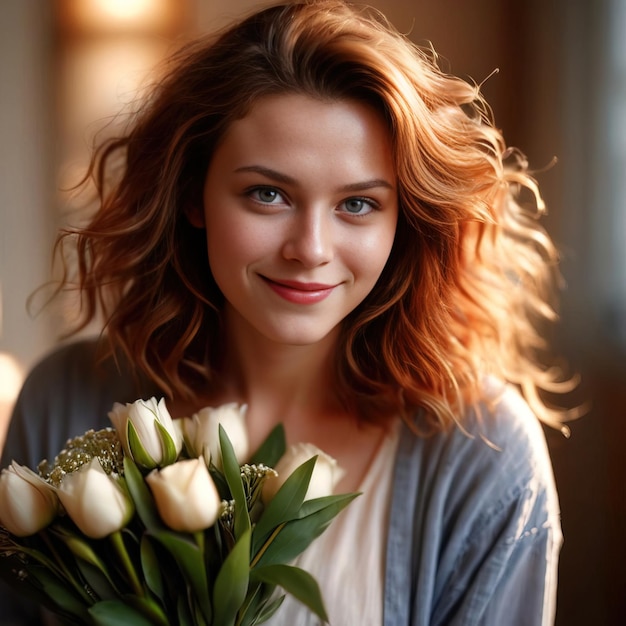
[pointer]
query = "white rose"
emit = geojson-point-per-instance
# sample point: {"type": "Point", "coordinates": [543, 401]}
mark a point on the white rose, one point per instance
{"type": "Point", "coordinates": [202, 432]}
{"type": "Point", "coordinates": [27, 502]}
{"type": "Point", "coordinates": [185, 495]}
{"type": "Point", "coordinates": [326, 473]}
{"type": "Point", "coordinates": [147, 432]}
{"type": "Point", "coordinates": [96, 502]}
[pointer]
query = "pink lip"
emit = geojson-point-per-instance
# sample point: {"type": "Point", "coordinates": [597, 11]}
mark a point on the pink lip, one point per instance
{"type": "Point", "coordinates": [300, 293]}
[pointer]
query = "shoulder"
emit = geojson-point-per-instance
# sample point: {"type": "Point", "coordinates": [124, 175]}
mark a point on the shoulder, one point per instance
{"type": "Point", "coordinates": [501, 434]}
{"type": "Point", "coordinates": [504, 424]}
{"type": "Point", "coordinates": [70, 378]}
{"type": "Point", "coordinates": [69, 391]}
{"type": "Point", "coordinates": [81, 368]}
{"type": "Point", "coordinates": [78, 358]}
{"type": "Point", "coordinates": [494, 471]}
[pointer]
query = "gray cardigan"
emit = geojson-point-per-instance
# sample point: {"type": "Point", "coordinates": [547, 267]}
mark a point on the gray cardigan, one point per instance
{"type": "Point", "coordinates": [474, 529]}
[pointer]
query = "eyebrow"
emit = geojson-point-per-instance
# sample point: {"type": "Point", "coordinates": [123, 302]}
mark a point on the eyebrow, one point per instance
{"type": "Point", "coordinates": [279, 177]}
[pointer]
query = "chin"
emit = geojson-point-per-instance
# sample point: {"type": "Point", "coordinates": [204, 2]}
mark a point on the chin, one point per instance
{"type": "Point", "coordinates": [299, 336]}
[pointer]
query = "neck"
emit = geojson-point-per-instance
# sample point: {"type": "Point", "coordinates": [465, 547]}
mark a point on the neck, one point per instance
{"type": "Point", "coordinates": [292, 384]}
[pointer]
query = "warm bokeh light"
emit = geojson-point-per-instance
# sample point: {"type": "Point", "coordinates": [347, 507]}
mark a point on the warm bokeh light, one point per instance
{"type": "Point", "coordinates": [118, 15]}
{"type": "Point", "coordinates": [11, 378]}
{"type": "Point", "coordinates": [98, 79]}
{"type": "Point", "coordinates": [108, 48]}
{"type": "Point", "coordinates": [123, 11]}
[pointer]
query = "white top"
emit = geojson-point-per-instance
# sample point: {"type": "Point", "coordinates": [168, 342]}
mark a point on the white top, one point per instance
{"type": "Point", "coordinates": [348, 559]}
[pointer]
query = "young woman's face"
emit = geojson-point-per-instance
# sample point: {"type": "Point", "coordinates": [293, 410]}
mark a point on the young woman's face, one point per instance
{"type": "Point", "coordinates": [300, 209]}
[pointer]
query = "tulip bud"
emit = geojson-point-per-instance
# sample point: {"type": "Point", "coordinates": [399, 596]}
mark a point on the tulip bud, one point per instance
{"type": "Point", "coordinates": [97, 502]}
{"type": "Point", "coordinates": [202, 432]}
{"type": "Point", "coordinates": [27, 502]}
{"type": "Point", "coordinates": [185, 495]}
{"type": "Point", "coordinates": [326, 473]}
{"type": "Point", "coordinates": [179, 428]}
{"type": "Point", "coordinates": [147, 432]}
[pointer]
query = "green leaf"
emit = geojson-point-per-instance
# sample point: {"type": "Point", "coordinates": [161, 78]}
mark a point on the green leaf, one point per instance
{"type": "Point", "coordinates": [44, 581]}
{"type": "Point", "coordinates": [148, 607]}
{"type": "Point", "coordinates": [151, 568]}
{"type": "Point", "coordinates": [184, 612]}
{"type": "Point", "coordinates": [295, 536]}
{"type": "Point", "coordinates": [36, 555]}
{"type": "Point", "coordinates": [295, 581]}
{"type": "Point", "coordinates": [59, 594]}
{"type": "Point", "coordinates": [136, 447]}
{"type": "Point", "coordinates": [251, 604]}
{"type": "Point", "coordinates": [199, 619]}
{"type": "Point", "coordinates": [116, 612]}
{"type": "Point", "coordinates": [285, 505]}
{"type": "Point", "coordinates": [54, 568]}
{"type": "Point", "coordinates": [259, 603]}
{"type": "Point", "coordinates": [272, 449]}
{"type": "Point", "coordinates": [232, 472]}
{"type": "Point", "coordinates": [84, 552]}
{"type": "Point", "coordinates": [100, 585]}
{"type": "Point", "coordinates": [167, 445]}
{"type": "Point", "coordinates": [268, 611]}
{"type": "Point", "coordinates": [141, 495]}
{"type": "Point", "coordinates": [220, 482]}
{"type": "Point", "coordinates": [231, 584]}
{"type": "Point", "coordinates": [337, 503]}
{"type": "Point", "coordinates": [190, 560]}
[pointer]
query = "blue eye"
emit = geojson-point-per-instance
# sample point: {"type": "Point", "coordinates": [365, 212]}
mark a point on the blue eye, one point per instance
{"type": "Point", "coordinates": [266, 195]}
{"type": "Point", "coordinates": [358, 206]}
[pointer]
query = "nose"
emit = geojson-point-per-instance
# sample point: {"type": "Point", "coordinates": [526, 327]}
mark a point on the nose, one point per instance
{"type": "Point", "coordinates": [310, 238]}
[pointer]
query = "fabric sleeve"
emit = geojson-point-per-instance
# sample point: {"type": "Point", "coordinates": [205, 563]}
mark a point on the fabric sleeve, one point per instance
{"type": "Point", "coordinates": [477, 511]}
{"type": "Point", "coordinates": [506, 573]}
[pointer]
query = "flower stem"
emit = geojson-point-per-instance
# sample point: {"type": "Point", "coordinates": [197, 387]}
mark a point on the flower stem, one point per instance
{"type": "Point", "coordinates": [118, 543]}
{"type": "Point", "coordinates": [266, 545]}
{"type": "Point", "coordinates": [63, 569]}
{"type": "Point", "coordinates": [199, 537]}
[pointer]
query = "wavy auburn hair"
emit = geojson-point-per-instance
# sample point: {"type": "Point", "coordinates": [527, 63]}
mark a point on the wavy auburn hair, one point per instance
{"type": "Point", "coordinates": [469, 279]}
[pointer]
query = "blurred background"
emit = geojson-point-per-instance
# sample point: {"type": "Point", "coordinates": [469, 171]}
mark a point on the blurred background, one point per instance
{"type": "Point", "coordinates": [67, 66]}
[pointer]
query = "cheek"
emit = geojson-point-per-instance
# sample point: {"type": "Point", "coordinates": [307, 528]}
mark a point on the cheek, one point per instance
{"type": "Point", "coordinates": [232, 245]}
{"type": "Point", "coordinates": [372, 253]}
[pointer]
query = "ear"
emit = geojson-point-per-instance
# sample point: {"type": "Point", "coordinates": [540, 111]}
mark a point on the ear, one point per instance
{"type": "Point", "coordinates": [195, 215]}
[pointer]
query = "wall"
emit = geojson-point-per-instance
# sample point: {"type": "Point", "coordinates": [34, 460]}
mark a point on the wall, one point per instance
{"type": "Point", "coordinates": [26, 184]}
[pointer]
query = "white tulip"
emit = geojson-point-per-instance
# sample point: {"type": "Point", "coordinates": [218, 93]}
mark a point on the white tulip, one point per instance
{"type": "Point", "coordinates": [97, 502]}
{"type": "Point", "coordinates": [179, 428]}
{"type": "Point", "coordinates": [185, 495]}
{"type": "Point", "coordinates": [202, 432]}
{"type": "Point", "coordinates": [147, 432]}
{"type": "Point", "coordinates": [326, 473]}
{"type": "Point", "coordinates": [27, 502]}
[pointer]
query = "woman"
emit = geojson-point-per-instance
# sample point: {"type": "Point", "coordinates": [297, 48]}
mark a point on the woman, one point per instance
{"type": "Point", "coordinates": [307, 215]}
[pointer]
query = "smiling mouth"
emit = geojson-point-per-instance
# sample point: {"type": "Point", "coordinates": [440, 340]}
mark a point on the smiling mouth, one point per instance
{"type": "Point", "coordinates": [299, 292]}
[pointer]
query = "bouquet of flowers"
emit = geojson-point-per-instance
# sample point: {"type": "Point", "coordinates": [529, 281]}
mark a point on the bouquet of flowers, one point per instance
{"type": "Point", "coordinates": [158, 521]}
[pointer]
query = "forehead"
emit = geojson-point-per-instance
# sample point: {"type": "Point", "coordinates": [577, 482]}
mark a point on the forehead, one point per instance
{"type": "Point", "coordinates": [300, 105]}
{"type": "Point", "coordinates": [296, 125]}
